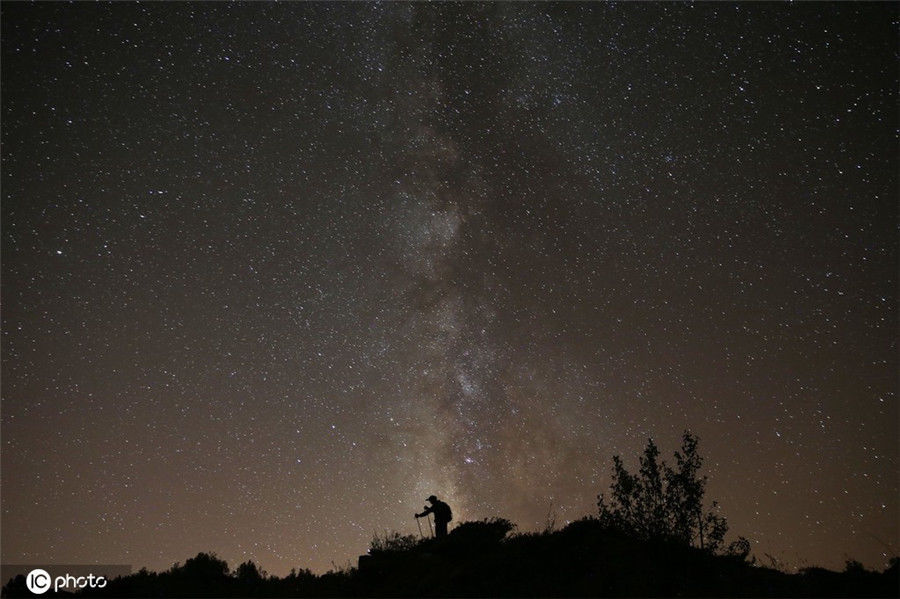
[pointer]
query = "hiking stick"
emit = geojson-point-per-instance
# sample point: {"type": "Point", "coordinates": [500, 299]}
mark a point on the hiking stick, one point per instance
{"type": "Point", "coordinates": [419, 524]}
{"type": "Point", "coordinates": [431, 530]}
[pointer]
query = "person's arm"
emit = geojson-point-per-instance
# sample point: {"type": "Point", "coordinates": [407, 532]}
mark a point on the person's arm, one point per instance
{"type": "Point", "coordinates": [427, 511]}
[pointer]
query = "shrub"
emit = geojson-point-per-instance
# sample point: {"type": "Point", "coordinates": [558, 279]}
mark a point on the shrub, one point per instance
{"type": "Point", "coordinates": [661, 502]}
{"type": "Point", "coordinates": [482, 532]}
{"type": "Point", "coordinates": [392, 542]}
{"type": "Point", "coordinates": [249, 572]}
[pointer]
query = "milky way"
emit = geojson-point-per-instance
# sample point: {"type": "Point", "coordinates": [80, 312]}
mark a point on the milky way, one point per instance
{"type": "Point", "coordinates": [273, 274]}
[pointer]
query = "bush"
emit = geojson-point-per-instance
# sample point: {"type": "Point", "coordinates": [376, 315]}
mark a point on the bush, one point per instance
{"type": "Point", "coordinates": [392, 542]}
{"type": "Point", "coordinates": [249, 572]}
{"type": "Point", "coordinates": [203, 566]}
{"type": "Point", "coordinates": [739, 549]}
{"type": "Point", "coordinates": [489, 531]}
{"type": "Point", "coordinates": [661, 502]}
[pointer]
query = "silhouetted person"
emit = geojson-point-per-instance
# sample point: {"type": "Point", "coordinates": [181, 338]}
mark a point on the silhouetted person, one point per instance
{"type": "Point", "coordinates": [442, 515]}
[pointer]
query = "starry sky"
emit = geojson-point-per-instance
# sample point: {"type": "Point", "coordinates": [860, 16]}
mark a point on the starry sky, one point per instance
{"type": "Point", "coordinates": [274, 273]}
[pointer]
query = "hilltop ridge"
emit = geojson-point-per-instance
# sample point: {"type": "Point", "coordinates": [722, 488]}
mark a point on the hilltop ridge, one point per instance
{"type": "Point", "coordinates": [483, 558]}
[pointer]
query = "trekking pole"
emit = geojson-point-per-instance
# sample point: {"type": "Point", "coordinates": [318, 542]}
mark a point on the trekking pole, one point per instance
{"type": "Point", "coordinates": [431, 530]}
{"type": "Point", "coordinates": [419, 524]}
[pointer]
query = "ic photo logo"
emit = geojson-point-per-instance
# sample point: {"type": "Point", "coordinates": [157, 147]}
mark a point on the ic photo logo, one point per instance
{"type": "Point", "coordinates": [39, 582]}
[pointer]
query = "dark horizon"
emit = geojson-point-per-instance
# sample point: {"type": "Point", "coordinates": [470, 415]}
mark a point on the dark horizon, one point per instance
{"type": "Point", "coordinates": [274, 274]}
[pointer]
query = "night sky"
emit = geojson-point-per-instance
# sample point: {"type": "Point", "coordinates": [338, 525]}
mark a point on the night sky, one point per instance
{"type": "Point", "coordinates": [273, 274]}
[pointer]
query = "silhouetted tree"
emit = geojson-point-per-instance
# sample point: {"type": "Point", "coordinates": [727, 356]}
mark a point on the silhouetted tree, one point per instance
{"type": "Point", "coordinates": [739, 549]}
{"type": "Point", "coordinates": [661, 502]}
{"type": "Point", "coordinates": [204, 565]}
{"type": "Point", "coordinates": [249, 572]}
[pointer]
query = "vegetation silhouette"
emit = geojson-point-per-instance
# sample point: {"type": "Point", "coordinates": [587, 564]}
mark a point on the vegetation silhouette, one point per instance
{"type": "Point", "coordinates": [665, 503]}
{"type": "Point", "coordinates": [651, 537]}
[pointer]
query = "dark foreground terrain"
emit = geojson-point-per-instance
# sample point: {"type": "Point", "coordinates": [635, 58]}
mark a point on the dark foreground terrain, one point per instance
{"type": "Point", "coordinates": [482, 559]}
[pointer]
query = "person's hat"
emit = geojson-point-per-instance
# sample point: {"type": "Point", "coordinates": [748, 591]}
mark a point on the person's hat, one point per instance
{"type": "Point", "coordinates": [432, 499]}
